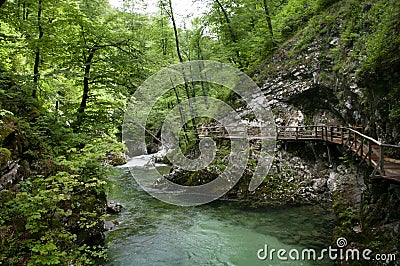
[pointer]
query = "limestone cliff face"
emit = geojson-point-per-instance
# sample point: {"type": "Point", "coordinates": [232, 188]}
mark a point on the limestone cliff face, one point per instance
{"type": "Point", "coordinates": [343, 67]}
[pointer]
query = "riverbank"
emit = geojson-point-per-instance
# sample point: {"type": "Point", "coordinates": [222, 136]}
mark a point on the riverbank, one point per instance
{"type": "Point", "coordinates": [295, 178]}
{"type": "Point", "coordinates": [151, 232]}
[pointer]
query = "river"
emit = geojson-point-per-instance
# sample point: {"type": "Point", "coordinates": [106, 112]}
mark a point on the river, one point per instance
{"type": "Point", "coordinates": [151, 232]}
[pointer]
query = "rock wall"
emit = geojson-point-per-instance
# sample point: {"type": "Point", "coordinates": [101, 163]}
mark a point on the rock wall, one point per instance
{"type": "Point", "coordinates": [367, 211]}
{"type": "Point", "coordinates": [329, 71]}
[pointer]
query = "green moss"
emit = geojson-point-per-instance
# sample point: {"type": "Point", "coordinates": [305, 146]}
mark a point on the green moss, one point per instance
{"type": "Point", "coordinates": [5, 130]}
{"type": "Point", "coordinates": [5, 156]}
{"type": "Point", "coordinates": [115, 158]}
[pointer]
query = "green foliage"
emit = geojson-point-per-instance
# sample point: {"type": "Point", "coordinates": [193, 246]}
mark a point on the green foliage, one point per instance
{"type": "Point", "coordinates": [242, 32]}
{"type": "Point", "coordinates": [346, 159]}
{"type": "Point", "coordinates": [91, 58]}
{"type": "Point", "coordinates": [375, 244]}
{"type": "Point", "coordinates": [346, 217]}
{"type": "Point", "coordinates": [5, 113]}
{"type": "Point", "coordinates": [394, 114]}
{"type": "Point", "coordinates": [46, 214]}
{"type": "Point", "coordinates": [53, 215]}
{"type": "Point", "coordinates": [49, 219]}
{"type": "Point", "coordinates": [382, 45]}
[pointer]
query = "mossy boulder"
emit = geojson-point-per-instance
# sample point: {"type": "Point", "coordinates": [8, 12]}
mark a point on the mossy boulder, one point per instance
{"type": "Point", "coordinates": [116, 158]}
{"type": "Point", "coordinates": [5, 156]}
{"type": "Point", "coordinates": [6, 128]}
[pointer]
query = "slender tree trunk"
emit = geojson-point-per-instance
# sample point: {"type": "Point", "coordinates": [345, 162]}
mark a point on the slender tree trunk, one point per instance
{"type": "Point", "coordinates": [178, 50]}
{"type": "Point", "coordinates": [180, 112]}
{"type": "Point", "coordinates": [25, 11]}
{"type": "Point", "coordinates": [227, 20]}
{"type": "Point", "coordinates": [204, 85]}
{"type": "Point", "coordinates": [36, 73]}
{"type": "Point", "coordinates": [231, 31]}
{"type": "Point", "coordinates": [171, 13]}
{"type": "Point", "coordinates": [85, 94]}
{"type": "Point", "coordinates": [269, 23]}
{"type": "Point", "coordinates": [19, 9]}
{"type": "Point", "coordinates": [163, 39]}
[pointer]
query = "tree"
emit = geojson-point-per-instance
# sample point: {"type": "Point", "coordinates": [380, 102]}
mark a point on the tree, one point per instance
{"type": "Point", "coordinates": [169, 10]}
{"type": "Point", "coordinates": [36, 73]}
{"type": "Point", "coordinates": [101, 48]}
{"type": "Point", "coordinates": [232, 33]}
{"type": "Point", "coordinates": [269, 23]}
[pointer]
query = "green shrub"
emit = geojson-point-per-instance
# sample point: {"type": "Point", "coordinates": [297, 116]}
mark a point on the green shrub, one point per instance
{"type": "Point", "coordinates": [45, 219]}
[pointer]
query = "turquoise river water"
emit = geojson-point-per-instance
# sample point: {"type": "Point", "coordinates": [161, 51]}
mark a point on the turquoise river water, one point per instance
{"type": "Point", "coordinates": [151, 232]}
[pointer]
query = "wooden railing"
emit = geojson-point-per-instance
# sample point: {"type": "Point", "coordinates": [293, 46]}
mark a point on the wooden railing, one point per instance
{"type": "Point", "coordinates": [370, 150]}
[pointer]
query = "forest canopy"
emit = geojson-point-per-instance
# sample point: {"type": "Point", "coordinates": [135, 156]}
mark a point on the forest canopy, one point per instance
{"type": "Point", "coordinates": [69, 67]}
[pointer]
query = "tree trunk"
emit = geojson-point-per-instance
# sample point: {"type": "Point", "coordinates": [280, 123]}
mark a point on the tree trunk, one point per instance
{"type": "Point", "coordinates": [86, 78]}
{"type": "Point", "coordinates": [204, 85]}
{"type": "Point", "coordinates": [163, 39]}
{"type": "Point", "coordinates": [25, 11]}
{"type": "Point", "coordinates": [227, 20]}
{"type": "Point", "coordinates": [178, 50]}
{"type": "Point", "coordinates": [36, 73]}
{"type": "Point", "coordinates": [231, 32]}
{"type": "Point", "coordinates": [269, 23]}
{"type": "Point", "coordinates": [181, 113]}
{"type": "Point", "coordinates": [181, 60]}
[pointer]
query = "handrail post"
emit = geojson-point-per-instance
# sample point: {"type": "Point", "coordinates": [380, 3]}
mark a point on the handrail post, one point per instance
{"type": "Point", "coordinates": [325, 128]}
{"type": "Point", "coordinates": [355, 140]}
{"type": "Point", "coordinates": [322, 132]}
{"type": "Point", "coordinates": [370, 152]}
{"type": "Point", "coordinates": [349, 136]}
{"type": "Point", "coordinates": [326, 133]}
{"type": "Point", "coordinates": [297, 133]}
{"type": "Point", "coordinates": [277, 132]}
{"type": "Point", "coordinates": [381, 164]}
{"type": "Point", "coordinates": [316, 132]}
{"type": "Point", "coordinates": [341, 135]}
{"type": "Point", "coordinates": [331, 129]}
{"type": "Point", "coordinates": [362, 147]}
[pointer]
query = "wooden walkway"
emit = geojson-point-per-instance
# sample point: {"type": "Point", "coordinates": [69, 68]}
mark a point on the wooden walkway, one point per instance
{"type": "Point", "coordinates": [375, 153]}
{"type": "Point", "coordinates": [384, 158]}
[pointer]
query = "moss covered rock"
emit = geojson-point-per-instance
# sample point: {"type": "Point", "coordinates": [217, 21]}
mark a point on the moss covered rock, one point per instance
{"type": "Point", "coordinates": [116, 158]}
{"type": "Point", "coordinates": [6, 128]}
{"type": "Point", "coordinates": [5, 156]}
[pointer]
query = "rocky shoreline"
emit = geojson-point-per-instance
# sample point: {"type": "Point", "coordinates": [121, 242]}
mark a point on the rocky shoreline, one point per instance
{"type": "Point", "coordinates": [295, 178]}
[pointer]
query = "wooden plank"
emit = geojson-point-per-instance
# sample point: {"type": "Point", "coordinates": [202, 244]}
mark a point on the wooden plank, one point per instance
{"type": "Point", "coordinates": [392, 166]}
{"type": "Point", "coordinates": [392, 178]}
